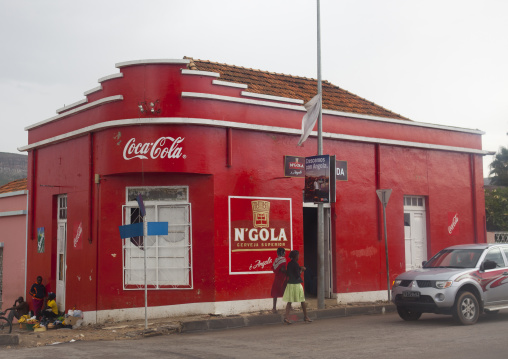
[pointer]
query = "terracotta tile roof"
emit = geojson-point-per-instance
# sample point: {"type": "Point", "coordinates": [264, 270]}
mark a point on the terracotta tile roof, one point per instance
{"type": "Point", "coordinates": [17, 185]}
{"type": "Point", "coordinates": [275, 84]}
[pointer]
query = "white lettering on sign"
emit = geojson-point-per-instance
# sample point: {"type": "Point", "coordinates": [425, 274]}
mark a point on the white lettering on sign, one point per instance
{"type": "Point", "coordinates": [78, 234]}
{"type": "Point", "coordinates": [157, 149]}
{"type": "Point", "coordinates": [340, 172]}
{"type": "Point", "coordinates": [455, 220]}
{"type": "Point", "coordinates": [264, 234]}
{"type": "Point", "coordinates": [295, 165]}
{"type": "Point", "coordinates": [260, 264]}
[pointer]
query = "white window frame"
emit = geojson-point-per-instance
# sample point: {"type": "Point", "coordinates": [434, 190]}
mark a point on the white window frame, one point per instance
{"type": "Point", "coordinates": [417, 203]}
{"type": "Point", "coordinates": [154, 206]}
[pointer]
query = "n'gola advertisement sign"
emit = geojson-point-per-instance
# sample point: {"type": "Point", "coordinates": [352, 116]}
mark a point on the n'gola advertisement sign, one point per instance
{"type": "Point", "coordinates": [257, 227]}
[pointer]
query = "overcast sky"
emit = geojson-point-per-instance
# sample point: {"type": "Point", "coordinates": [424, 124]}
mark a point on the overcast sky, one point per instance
{"type": "Point", "coordinates": [442, 62]}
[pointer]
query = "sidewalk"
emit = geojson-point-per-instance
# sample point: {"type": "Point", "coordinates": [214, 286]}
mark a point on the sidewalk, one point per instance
{"type": "Point", "coordinates": [21, 338]}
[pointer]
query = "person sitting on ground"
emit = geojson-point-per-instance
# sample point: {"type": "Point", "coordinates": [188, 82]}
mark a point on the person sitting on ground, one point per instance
{"type": "Point", "coordinates": [51, 309]}
{"type": "Point", "coordinates": [19, 309]}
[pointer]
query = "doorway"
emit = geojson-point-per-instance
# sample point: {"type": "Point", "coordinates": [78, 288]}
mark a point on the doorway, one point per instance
{"type": "Point", "coordinates": [61, 251]}
{"type": "Point", "coordinates": [415, 232]}
{"type": "Point", "coordinates": [310, 228]}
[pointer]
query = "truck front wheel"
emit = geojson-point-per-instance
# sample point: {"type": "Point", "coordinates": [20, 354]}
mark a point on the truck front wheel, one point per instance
{"type": "Point", "coordinates": [408, 315]}
{"type": "Point", "coordinates": [466, 310]}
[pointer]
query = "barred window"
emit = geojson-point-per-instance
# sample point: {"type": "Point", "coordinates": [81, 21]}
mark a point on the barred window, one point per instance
{"type": "Point", "coordinates": [168, 257]}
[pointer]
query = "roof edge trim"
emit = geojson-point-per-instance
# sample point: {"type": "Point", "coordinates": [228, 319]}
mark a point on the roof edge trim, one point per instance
{"type": "Point", "coordinates": [329, 112]}
{"type": "Point", "coordinates": [151, 62]}
{"type": "Point", "coordinates": [270, 97]}
{"type": "Point", "coordinates": [230, 84]}
{"type": "Point", "coordinates": [219, 123]}
{"type": "Point", "coordinates": [200, 73]}
{"type": "Point", "coordinates": [91, 91]}
{"type": "Point", "coordinates": [110, 77]}
{"type": "Point", "coordinates": [74, 104]}
{"type": "Point", "coordinates": [102, 101]}
{"type": "Point", "coordinates": [208, 96]}
{"type": "Point", "coordinates": [402, 122]}
{"type": "Point", "coordinates": [13, 193]}
{"type": "Point", "coordinates": [13, 213]}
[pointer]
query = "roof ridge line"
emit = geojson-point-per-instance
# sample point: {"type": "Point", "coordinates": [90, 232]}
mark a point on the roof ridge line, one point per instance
{"type": "Point", "coordinates": [251, 69]}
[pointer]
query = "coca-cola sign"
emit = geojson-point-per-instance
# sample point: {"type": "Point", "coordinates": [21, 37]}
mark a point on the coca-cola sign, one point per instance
{"type": "Point", "coordinates": [164, 147]}
{"type": "Point", "coordinates": [453, 223]}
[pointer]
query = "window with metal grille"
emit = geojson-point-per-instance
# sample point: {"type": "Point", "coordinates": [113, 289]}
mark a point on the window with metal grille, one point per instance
{"type": "Point", "coordinates": [168, 257]}
{"type": "Point", "coordinates": [62, 207]}
{"type": "Point", "coordinates": [414, 201]}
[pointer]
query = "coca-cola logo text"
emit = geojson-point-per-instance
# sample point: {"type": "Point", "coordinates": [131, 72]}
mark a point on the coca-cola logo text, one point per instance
{"type": "Point", "coordinates": [164, 147]}
{"type": "Point", "coordinates": [455, 220]}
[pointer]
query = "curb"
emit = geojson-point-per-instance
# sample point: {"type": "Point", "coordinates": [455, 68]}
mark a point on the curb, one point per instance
{"type": "Point", "coordinates": [9, 339]}
{"type": "Point", "coordinates": [264, 319]}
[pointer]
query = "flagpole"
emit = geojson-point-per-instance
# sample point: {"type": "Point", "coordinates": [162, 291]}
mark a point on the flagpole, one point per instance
{"type": "Point", "coordinates": [320, 214]}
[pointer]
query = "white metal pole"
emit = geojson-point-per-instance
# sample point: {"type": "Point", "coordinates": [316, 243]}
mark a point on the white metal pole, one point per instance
{"type": "Point", "coordinates": [321, 220]}
{"type": "Point", "coordinates": [386, 253]}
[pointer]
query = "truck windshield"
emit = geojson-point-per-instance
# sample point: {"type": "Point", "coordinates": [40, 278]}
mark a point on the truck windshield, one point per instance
{"type": "Point", "coordinates": [455, 258]}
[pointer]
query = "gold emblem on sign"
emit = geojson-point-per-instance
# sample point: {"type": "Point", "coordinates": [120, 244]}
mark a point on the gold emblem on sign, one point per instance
{"type": "Point", "coordinates": [261, 214]}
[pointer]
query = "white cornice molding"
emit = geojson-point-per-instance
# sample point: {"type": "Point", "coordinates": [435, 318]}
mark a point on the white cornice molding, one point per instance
{"type": "Point", "coordinates": [230, 84]}
{"type": "Point", "coordinates": [244, 126]}
{"type": "Point", "coordinates": [14, 193]}
{"type": "Point", "coordinates": [110, 77]}
{"type": "Point", "coordinates": [151, 62]}
{"type": "Point", "coordinates": [200, 73]}
{"type": "Point", "coordinates": [329, 112]}
{"type": "Point", "coordinates": [100, 102]}
{"type": "Point", "coordinates": [72, 105]}
{"type": "Point", "coordinates": [13, 213]}
{"type": "Point", "coordinates": [208, 96]}
{"type": "Point", "coordinates": [402, 122]}
{"type": "Point", "coordinates": [270, 97]}
{"type": "Point", "coordinates": [95, 89]}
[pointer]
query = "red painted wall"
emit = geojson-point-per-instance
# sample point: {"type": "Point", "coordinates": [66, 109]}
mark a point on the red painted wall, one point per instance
{"type": "Point", "coordinates": [451, 181]}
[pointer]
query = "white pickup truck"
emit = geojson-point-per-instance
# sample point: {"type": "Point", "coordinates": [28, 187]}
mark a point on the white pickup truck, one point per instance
{"type": "Point", "coordinates": [462, 280]}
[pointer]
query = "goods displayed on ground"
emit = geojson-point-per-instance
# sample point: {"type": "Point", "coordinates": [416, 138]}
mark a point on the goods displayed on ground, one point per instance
{"type": "Point", "coordinates": [72, 319]}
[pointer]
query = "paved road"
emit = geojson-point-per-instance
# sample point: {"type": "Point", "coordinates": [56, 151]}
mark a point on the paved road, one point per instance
{"type": "Point", "coordinates": [373, 336]}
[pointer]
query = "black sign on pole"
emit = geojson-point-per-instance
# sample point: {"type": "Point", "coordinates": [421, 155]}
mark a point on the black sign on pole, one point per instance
{"type": "Point", "coordinates": [341, 170]}
{"type": "Point", "coordinates": [317, 179]}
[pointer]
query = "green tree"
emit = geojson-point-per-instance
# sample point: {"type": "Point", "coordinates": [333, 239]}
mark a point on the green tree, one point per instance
{"type": "Point", "coordinates": [499, 168]}
{"type": "Point", "coordinates": [496, 209]}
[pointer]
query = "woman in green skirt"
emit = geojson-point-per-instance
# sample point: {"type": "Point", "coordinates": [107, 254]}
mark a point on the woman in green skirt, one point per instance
{"type": "Point", "coordinates": [294, 289]}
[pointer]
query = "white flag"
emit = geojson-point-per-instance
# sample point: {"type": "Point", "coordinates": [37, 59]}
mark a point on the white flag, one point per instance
{"type": "Point", "coordinates": [309, 120]}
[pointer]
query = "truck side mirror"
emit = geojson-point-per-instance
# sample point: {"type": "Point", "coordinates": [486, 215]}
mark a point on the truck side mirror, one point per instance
{"type": "Point", "coordinates": [486, 265]}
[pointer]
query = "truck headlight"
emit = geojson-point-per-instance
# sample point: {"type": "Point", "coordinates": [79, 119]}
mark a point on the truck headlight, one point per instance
{"type": "Point", "coordinates": [442, 284]}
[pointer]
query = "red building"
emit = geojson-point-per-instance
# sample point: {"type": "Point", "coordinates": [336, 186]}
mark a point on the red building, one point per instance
{"type": "Point", "coordinates": [204, 144]}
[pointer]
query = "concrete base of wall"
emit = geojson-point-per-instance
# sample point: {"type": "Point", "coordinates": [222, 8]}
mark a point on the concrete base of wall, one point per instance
{"type": "Point", "coordinates": [362, 297]}
{"type": "Point", "coordinates": [216, 308]}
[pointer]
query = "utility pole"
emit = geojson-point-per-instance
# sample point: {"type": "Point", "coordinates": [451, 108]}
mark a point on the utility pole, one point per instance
{"type": "Point", "coordinates": [320, 214]}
